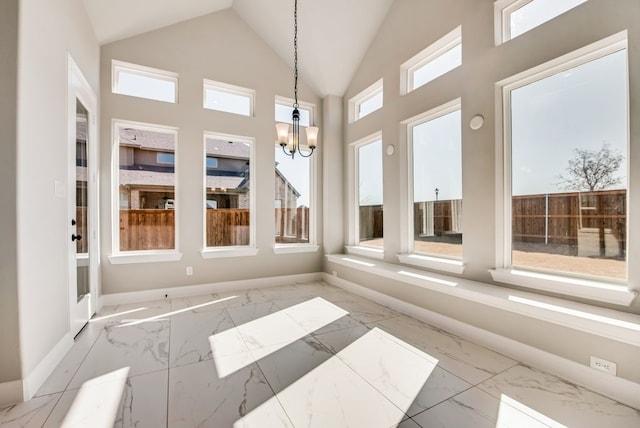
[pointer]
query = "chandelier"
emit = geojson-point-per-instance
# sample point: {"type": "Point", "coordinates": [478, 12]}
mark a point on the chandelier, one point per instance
{"type": "Point", "coordinates": [290, 141]}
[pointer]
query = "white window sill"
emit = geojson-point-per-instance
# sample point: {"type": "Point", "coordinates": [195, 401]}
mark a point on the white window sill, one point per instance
{"type": "Point", "coordinates": [224, 252]}
{"type": "Point", "coordinates": [593, 290]}
{"type": "Point", "coordinates": [295, 248]}
{"type": "Point", "coordinates": [375, 253]}
{"type": "Point", "coordinates": [435, 263]}
{"type": "Point", "coordinates": [145, 257]}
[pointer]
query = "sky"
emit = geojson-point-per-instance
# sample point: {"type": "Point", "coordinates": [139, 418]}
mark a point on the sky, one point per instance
{"type": "Point", "coordinates": [370, 173]}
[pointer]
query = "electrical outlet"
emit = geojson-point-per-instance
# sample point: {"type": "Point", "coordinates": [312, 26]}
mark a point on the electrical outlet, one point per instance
{"type": "Point", "coordinates": [604, 365]}
{"type": "Point", "coordinates": [189, 270]}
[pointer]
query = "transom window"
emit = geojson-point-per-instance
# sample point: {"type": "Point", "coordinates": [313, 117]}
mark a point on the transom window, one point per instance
{"type": "Point", "coordinates": [228, 98]}
{"type": "Point", "coordinates": [433, 62]}
{"type": "Point", "coordinates": [567, 143]}
{"type": "Point", "coordinates": [516, 17]}
{"type": "Point", "coordinates": [366, 102]}
{"type": "Point", "coordinates": [144, 82]}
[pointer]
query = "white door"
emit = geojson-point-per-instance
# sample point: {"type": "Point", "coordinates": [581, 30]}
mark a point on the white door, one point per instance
{"type": "Point", "coordinates": [82, 236]}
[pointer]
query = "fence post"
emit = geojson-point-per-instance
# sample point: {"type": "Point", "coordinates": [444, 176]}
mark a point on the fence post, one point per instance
{"type": "Point", "coordinates": [546, 218]}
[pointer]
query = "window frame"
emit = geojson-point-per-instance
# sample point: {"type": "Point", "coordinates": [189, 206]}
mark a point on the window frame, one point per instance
{"type": "Point", "coordinates": [426, 56]}
{"type": "Point", "coordinates": [228, 89]}
{"type": "Point", "coordinates": [411, 257]}
{"type": "Point", "coordinates": [142, 71]}
{"type": "Point", "coordinates": [139, 256]}
{"type": "Point", "coordinates": [502, 13]}
{"type": "Point", "coordinates": [354, 246]}
{"type": "Point", "coordinates": [367, 94]}
{"type": "Point", "coordinates": [609, 290]}
{"type": "Point", "coordinates": [234, 250]}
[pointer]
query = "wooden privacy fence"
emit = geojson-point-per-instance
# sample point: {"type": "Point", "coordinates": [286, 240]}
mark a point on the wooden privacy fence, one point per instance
{"type": "Point", "coordinates": [227, 227]}
{"type": "Point", "coordinates": [147, 230]}
{"type": "Point", "coordinates": [559, 218]}
{"type": "Point", "coordinates": [292, 225]}
{"type": "Point", "coordinates": [437, 218]}
{"type": "Point", "coordinates": [81, 229]}
{"type": "Point", "coordinates": [371, 219]}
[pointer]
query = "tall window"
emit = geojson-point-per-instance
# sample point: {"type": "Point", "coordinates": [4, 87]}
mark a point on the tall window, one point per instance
{"type": "Point", "coordinates": [434, 61]}
{"type": "Point", "coordinates": [146, 187]}
{"type": "Point", "coordinates": [516, 17]}
{"type": "Point", "coordinates": [569, 144]}
{"type": "Point", "coordinates": [144, 82]}
{"type": "Point", "coordinates": [228, 199]}
{"type": "Point", "coordinates": [293, 198]}
{"type": "Point", "coordinates": [436, 152]}
{"type": "Point", "coordinates": [369, 194]}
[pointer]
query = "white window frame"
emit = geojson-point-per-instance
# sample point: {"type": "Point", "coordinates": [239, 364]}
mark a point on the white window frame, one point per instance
{"type": "Point", "coordinates": [228, 89]}
{"type": "Point", "coordinates": [429, 54]}
{"type": "Point", "coordinates": [143, 71]}
{"type": "Point", "coordinates": [609, 290]}
{"type": "Point", "coordinates": [141, 256]}
{"type": "Point", "coordinates": [423, 260]}
{"type": "Point", "coordinates": [354, 246]}
{"type": "Point", "coordinates": [354, 103]}
{"type": "Point", "coordinates": [303, 105]}
{"type": "Point", "coordinates": [502, 10]}
{"type": "Point", "coordinates": [239, 250]}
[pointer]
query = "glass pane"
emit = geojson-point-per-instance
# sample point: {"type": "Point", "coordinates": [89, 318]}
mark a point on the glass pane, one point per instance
{"type": "Point", "coordinates": [569, 170]}
{"type": "Point", "coordinates": [227, 102]}
{"type": "Point", "coordinates": [284, 112]}
{"type": "Point", "coordinates": [146, 189]}
{"type": "Point", "coordinates": [538, 12]}
{"type": "Point", "coordinates": [370, 105]}
{"type": "Point", "coordinates": [82, 199]}
{"type": "Point", "coordinates": [370, 194]}
{"type": "Point", "coordinates": [438, 66]}
{"type": "Point", "coordinates": [143, 86]}
{"type": "Point", "coordinates": [228, 194]}
{"type": "Point", "coordinates": [292, 200]}
{"type": "Point", "coordinates": [437, 186]}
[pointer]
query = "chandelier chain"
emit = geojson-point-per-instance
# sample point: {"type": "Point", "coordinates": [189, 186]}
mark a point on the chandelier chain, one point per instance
{"type": "Point", "coordinates": [295, 53]}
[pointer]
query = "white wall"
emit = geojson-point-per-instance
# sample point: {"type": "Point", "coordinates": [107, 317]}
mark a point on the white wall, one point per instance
{"type": "Point", "coordinates": [412, 25]}
{"type": "Point", "coordinates": [9, 337]}
{"type": "Point", "coordinates": [223, 48]}
{"type": "Point", "coordinates": [48, 31]}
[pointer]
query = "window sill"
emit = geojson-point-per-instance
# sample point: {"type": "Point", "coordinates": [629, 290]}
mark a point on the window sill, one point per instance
{"type": "Point", "coordinates": [375, 253]}
{"type": "Point", "coordinates": [295, 248]}
{"type": "Point", "coordinates": [224, 252]}
{"type": "Point", "coordinates": [435, 263]}
{"type": "Point", "coordinates": [586, 289]}
{"type": "Point", "coordinates": [145, 257]}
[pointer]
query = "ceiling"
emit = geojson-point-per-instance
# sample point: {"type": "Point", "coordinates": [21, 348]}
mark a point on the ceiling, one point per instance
{"type": "Point", "coordinates": [333, 35]}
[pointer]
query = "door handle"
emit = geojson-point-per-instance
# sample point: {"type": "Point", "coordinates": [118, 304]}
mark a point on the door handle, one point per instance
{"type": "Point", "coordinates": [76, 237]}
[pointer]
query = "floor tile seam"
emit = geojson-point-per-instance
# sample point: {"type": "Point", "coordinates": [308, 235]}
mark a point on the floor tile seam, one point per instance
{"type": "Point", "coordinates": [86, 355]}
{"type": "Point", "coordinates": [275, 394]}
{"type": "Point", "coordinates": [53, 407]}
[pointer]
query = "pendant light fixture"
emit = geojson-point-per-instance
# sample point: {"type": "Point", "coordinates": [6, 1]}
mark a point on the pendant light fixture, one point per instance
{"type": "Point", "coordinates": [290, 141]}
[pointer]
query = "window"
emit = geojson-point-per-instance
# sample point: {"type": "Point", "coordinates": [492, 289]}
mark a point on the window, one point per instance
{"type": "Point", "coordinates": [146, 193]}
{"type": "Point", "coordinates": [566, 129]}
{"type": "Point", "coordinates": [228, 98]}
{"type": "Point", "coordinates": [228, 200]}
{"type": "Point", "coordinates": [293, 199]}
{"type": "Point", "coordinates": [369, 218]}
{"type": "Point", "coordinates": [436, 60]}
{"type": "Point", "coordinates": [144, 82]}
{"type": "Point", "coordinates": [435, 142]}
{"type": "Point", "coordinates": [515, 17]}
{"type": "Point", "coordinates": [366, 102]}
{"type": "Point", "coordinates": [166, 158]}
{"type": "Point", "coordinates": [284, 110]}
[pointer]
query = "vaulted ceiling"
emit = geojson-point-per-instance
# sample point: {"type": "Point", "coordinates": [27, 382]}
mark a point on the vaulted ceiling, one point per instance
{"type": "Point", "coordinates": [333, 35]}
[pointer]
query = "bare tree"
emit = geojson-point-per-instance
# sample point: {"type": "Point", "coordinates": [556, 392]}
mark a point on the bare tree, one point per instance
{"type": "Point", "coordinates": [591, 170]}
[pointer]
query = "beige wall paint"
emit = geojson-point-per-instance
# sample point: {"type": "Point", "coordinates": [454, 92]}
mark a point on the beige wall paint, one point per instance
{"type": "Point", "coordinates": [9, 336]}
{"type": "Point", "coordinates": [483, 65]}
{"type": "Point", "coordinates": [48, 32]}
{"type": "Point", "coordinates": [219, 47]}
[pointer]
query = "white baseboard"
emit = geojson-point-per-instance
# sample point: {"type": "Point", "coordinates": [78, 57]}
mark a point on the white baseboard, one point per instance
{"type": "Point", "coordinates": [616, 388]}
{"type": "Point", "coordinates": [34, 380]}
{"type": "Point", "coordinates": [10, 392]}
{"type": "Point", "coordinates": [195, 290]}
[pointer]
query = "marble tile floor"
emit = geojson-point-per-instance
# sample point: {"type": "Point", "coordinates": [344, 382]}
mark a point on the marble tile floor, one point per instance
{"type": "Point", "coordinates": [301, 355]}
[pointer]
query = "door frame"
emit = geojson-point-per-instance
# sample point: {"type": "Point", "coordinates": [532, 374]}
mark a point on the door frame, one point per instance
{"type": "Point", "coordinates": [78, 88]}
